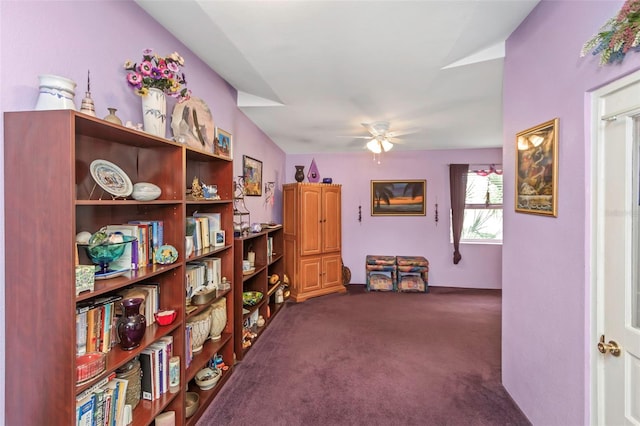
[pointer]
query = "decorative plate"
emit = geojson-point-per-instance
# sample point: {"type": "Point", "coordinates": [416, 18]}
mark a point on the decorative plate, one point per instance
{"type": "Point", "coordinates": [166, 254]}
{"type": "Point", "coordinates": [110, 274]}
{"type": "Point", "coordinates": [111, 178]}
{"type": "Point", "coordinates": [192, 124]}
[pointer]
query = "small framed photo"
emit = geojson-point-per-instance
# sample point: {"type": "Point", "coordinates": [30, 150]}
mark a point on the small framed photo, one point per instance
{"type": "Point", "coordinates": [252, 171]}
{"type": "Point", "coordinates": [223, 145]}
{"type": "Point", "coordinates": [537, 169]}
{"type": "Point", "coordinates": [219, 239]}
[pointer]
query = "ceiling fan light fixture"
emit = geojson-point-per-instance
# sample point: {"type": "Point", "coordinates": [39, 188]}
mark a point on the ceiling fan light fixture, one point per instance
{"type": "Point", "coordinates": [386, 145]}
{"type": "Point", "coordinates": [374, 146]}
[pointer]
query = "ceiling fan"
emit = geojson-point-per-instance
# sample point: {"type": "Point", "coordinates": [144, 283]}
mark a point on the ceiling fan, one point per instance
{"type": "Point", "coordinates": [380, 139]}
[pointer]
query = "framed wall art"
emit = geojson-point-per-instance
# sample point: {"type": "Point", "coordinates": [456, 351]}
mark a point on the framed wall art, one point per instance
{"type": "Point", "coordinates": [223, 145]}
{"type": "Point", "coordinates": [537, 169]}
{"type": "Point", "coordinates": [398, 197]}
{"type": "Point", "coordinates": [252, 172]}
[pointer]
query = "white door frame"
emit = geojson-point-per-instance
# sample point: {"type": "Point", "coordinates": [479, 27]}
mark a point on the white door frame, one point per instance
{"type": "Point", "coordinates": [595, 233]}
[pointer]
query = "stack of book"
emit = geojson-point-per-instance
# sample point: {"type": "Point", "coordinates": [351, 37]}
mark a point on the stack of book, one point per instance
{"type": "Point", "coordinates": [154, 363]}
{"type": "Point", "coordinates": [104, 404]}
{"type": "Point", "coordinates": [95, 324]}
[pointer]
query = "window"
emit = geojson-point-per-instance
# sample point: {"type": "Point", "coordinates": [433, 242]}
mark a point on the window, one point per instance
{"type": "Point", "coordinates": [483, 208]}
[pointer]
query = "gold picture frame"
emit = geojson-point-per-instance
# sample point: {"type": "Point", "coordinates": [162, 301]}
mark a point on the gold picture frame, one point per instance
{"type": "Point", "coordinates": [537, 169]}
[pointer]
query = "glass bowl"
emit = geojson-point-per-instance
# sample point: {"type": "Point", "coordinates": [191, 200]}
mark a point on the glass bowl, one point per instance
{"type": "Point", "coordinates": [106, 252]}
{"type": "Point", "coordinates": [251, 298]}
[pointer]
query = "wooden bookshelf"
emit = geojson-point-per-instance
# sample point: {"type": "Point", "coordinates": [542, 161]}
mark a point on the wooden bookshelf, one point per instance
{"type": "Point", "coordinates": [50, 196]}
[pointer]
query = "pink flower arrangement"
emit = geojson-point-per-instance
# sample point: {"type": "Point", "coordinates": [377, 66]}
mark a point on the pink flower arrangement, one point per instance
{"type": "Point", "coordinates": [158, 72]}
{"type": "Point", "coordinates": [617, 36]}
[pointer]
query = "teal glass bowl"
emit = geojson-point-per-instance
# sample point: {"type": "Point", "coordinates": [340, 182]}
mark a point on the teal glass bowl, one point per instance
{"type": "Point", "coordinates": [105, 253]}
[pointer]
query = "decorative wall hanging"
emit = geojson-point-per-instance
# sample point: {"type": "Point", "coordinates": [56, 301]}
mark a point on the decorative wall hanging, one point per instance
{"type": "Point", "coordinates": [252, 172]}
{"type": "Point", "coordinates": [617, 36]}
{"type": "Point", "coordinates": [537, 169]}
{"type": "Point", "coordinates": [223, 144]}
{"type": "Point", "coordinates": [398, 197]}
{"type": "Point", "coordinates": [269, 194]}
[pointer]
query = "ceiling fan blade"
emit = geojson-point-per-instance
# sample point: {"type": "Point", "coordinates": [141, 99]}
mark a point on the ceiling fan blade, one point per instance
{"type": "Point", "coordinates": [354, 137]}
{"type": "Point", "coordinates": [377, 128]}
{"type": "Point", "coordinates": [370, 129]}
{"type": "Point", "coordinates": [398, 133]}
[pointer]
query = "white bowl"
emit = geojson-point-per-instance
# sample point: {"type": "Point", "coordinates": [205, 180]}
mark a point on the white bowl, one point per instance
{"type": "Point", "coordinates": [207, 378]}
{"type": "Point", "coordinates": [145, 191]}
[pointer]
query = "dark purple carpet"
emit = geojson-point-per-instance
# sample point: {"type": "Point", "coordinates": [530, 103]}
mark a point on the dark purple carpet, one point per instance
{"type": "Point", "coordinates": [374, 359]}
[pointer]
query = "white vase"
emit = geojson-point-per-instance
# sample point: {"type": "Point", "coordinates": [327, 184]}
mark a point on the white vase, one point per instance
{"type": "Point", "coordinates": [154, 112]}
{"type": "Point", "coordinates": [200, 327]}
{"type": "Point", "coordinates": [218, 318]}
{"type": "Point", "coordinates": [188, 245]}
{"type": "Point", "coordinates": [56, 93]}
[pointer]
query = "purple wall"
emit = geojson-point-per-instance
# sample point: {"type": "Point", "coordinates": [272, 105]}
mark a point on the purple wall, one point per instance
{"type": "Point", "coordinates": [415, 235]}
{"type": "Point", "coordinates": [546, 271]}
{"type": "Point", "coordinates": [69, 37]}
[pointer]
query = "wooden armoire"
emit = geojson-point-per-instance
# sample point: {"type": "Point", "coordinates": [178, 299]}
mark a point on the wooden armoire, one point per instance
{"type": "Point", "coordinates": [312, 239]}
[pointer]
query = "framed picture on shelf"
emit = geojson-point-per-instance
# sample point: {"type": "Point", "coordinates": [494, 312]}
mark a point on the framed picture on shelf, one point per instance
{"type": "Point", "coordinates": [398, 197]}
{"type": "Point", "coordinates": [537, 169]}
{"type": "Point", "coordinates": [223, 145]}
{"type": "Point", "coordinates": [252, 172]}
{"type": "Point", "coordinates": [219, 239]}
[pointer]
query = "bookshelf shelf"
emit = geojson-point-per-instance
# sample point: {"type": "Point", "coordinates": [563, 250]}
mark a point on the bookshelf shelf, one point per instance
{"type": "Point", "coordinates": [61, 199]}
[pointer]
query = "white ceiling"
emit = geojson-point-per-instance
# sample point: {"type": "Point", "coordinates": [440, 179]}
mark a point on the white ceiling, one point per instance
{"type": "Point", "coordinates": [308, 73]}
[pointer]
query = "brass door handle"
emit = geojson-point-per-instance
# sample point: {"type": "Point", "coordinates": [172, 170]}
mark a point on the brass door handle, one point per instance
{"type": "Point", "coordinates": [611, 347]}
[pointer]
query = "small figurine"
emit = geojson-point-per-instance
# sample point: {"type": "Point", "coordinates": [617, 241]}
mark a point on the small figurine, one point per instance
{"type": "Point", "coordinates": [210, 191]}
{"type": "Point", "coordinates": [196, 188]}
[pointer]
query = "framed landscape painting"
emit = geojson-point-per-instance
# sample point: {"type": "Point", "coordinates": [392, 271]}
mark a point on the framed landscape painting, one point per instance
{"type": "Point", "coordinates": [398, 197]}
{"type": "Point", "coordinates": [537, 169]}
{"type": "Point", "coordinates": [252, 172]}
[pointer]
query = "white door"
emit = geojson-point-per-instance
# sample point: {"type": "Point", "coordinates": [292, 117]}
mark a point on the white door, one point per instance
{"type": "Point", "coordinates": [616, 253]}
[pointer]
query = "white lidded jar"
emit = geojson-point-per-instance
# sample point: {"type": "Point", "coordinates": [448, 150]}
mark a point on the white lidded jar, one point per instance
{"type": "Point", "coordinates": [56, 93]}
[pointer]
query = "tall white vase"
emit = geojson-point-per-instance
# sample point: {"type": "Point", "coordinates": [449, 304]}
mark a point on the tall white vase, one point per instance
{"type": "Point", "coordinates": [154, 112]}
{"type": "Point", "coordinates": [56, 93]}
{"type": "Point", "coordinates": [218, 318]}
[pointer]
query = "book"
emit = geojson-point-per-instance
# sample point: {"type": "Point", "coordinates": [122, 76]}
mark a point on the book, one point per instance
{"type": "Point", "coordinates": [147, 380]}
{"type": "Point", "coordinates": [96, 386]}
{"type": "Point", "coordinates": [214, 220]}
{"type": "Point", "coordinates": [84, 411]}
{"type": "Point", "coordinates": [213, 271]}
{"type": "Point", "coordinates": [105, 345]}
{"type": "Point", "coordinates": [92, 338]}
{"type": "Point", "coordinates": [204, 229]}
{"type": "Point", "coordinates": [81, 332]}
{"type": "Point", "coordinates": [98, 411]}
{"type": "Point", "coordinates": [152, 300]}
{"type": "Point", "coordinates": [144, 239]}
{"type": "Point", "coordinates": [129, 259]}
{"type": "Point", "coordinates": [159, 350]}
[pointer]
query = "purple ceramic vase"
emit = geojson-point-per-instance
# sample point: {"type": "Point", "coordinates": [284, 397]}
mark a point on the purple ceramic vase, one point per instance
{"type": "Point", "coordinates": [132, 324]}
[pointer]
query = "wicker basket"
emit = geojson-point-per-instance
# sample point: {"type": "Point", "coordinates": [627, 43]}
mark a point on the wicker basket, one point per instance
{"type": "Point", "coordinates": [131, 372]}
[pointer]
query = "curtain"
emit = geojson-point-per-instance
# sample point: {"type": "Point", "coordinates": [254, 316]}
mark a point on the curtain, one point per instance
{"type": "Point", "coordinates": [458, 190]}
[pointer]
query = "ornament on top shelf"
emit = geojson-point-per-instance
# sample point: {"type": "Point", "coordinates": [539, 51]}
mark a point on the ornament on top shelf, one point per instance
{"type": "Point", "coordinates": [87, 105]}
{"type": "Point", "coordinates": [314, 174]}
